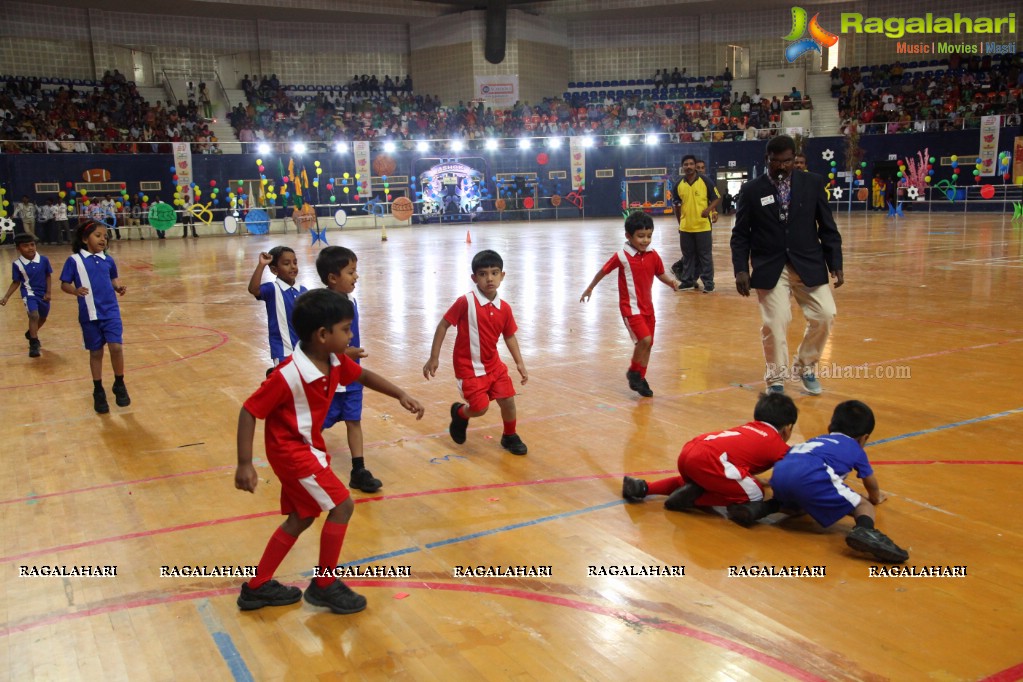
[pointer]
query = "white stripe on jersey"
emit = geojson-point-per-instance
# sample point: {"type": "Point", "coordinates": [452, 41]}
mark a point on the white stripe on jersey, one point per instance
{"type": "Point", "coordinates": [316, 491]}
{"type": "Point", "coordinates": [282, 319]}
{"type": "Point", "coordinates": [747, 483]}
{"type": "Point", "coordinates": [83, 277]}
{"type": "Point", "coordinates": [630, 283]}
{"type": "Point", "coordinates": [474, 337]}
{"type": "Point", "coordinates": [303, 415]}
{"type": "Point", "coordinates": [842, 489]}
{"type": "Point", "coordinates": [20, 264]}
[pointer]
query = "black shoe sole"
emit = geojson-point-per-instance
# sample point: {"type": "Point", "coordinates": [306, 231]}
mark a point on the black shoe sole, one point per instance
{"type": "Point", "coordinates": [878, 553]}
{"type": "Point", "coordinates": [316, 601]}
{"type": "Point", "coordinates": [458, 425]}
{"type": "Point", "coordinates": [637, 493]}
{"type": "Point", "coordinates": [253, 604]}
{"type": "Point", "coordinates": [515, 449]}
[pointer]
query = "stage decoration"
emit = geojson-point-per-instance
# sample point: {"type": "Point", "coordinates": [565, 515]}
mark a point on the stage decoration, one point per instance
{"type": "Point", "coordinates": [402, 208]}
{"type": "Point", "coordinates": [257, 221]}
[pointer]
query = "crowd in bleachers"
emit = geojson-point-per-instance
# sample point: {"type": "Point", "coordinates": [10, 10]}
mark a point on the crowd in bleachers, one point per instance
{"type": "Point", "coordinates": [108, 116]}
{"type": "Point", "coordinates": [929, 96]}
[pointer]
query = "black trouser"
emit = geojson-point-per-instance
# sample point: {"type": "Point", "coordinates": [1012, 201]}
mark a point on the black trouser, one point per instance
{"type": "Point", "coordinates": [697, 258]}
{"type": "Point", "coordinates": [48, 230]}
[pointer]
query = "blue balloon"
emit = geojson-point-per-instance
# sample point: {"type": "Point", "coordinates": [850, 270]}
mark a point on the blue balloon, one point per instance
{"type": "Point", "coordinates": [172, 170]}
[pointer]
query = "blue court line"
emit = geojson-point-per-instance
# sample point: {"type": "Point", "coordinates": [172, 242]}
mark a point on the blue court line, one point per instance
{"type": "Point", "coordinates": [232, 657]}
{"type": "Point", "coordinates": [943, 427]}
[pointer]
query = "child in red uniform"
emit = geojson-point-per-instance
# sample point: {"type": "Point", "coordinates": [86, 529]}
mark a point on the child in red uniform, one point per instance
{"type": "Point", "coordinates": [480, 318]}
{"type": "Point", "coordinates": [718, 469]}
{"type": "Point", "coordinates": [294, 400]}
{"type": "Point", "coordinates": [637, 265]}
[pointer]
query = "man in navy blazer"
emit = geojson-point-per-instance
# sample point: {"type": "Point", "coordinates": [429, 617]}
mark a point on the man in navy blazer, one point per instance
{"type": "Point", "coordinates": [785, 230]}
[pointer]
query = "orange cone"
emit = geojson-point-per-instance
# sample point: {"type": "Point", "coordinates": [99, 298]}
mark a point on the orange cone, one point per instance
{"type": "Point", "coordinates": [468, 237]}
{"type": "Point", "coordinates": [383, 234]}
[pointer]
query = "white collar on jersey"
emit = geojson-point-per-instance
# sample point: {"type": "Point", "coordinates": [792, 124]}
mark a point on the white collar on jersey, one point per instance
{"type": "Point", "coordinates": [26, 261]}
{"type": "Point", "coordinates": [484, 300]}
{"type": "Point", "coordinates": [771, 425]}
{"type": "Point", "coordinates": [85, 253]}
{"type": "Point", "coordinates": [307, 368]}
{"type": "Point", "coordinates": [284, 286]}
{"type": "Point", "coordinates": [631, 250]}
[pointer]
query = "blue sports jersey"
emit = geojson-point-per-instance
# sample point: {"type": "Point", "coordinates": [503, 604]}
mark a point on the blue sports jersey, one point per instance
{"type": "Point", "coordinates": [95, 272]}
{"type": "Point", "coordinates": [280, 298]}
{"type": "Point", "coordinates": [840, 452]}
{"type": "Point", "coordinates": [354, 343]}
{"type": "Point", "coordinates": [32, 274]}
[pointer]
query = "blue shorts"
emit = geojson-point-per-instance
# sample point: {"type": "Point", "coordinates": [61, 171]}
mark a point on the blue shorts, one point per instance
{"type": "Point", "coordinates": [37, 305]}
{"type": "Point", "coordinates": [805, 482]}
{"type": "Point", "coordinates": [345, 407]}
{"type": "Point", "coordinates": [98, 333]}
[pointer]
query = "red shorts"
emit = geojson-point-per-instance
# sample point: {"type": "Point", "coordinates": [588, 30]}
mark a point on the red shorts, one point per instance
{"type": "Point", "coordinates": [723, 482]}
{"type": "Point", "coordinates": [309, 496]}
{"type": "Point", "coordinates": [479, 391]}
{"type": "Point", "coordinates": [640, 327]}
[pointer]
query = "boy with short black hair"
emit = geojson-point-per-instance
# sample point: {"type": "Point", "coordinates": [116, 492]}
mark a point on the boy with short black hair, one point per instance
{"type": "Point", "coordinates": [637, 266]}
{"type": "Point", "coordinates": [480, 318]}
{"type": "Point", "coordinates": [337, 267]}
{"type": "Point", "coordinates": [811, 478]}
{"type": "Point", "coordinates": [279, 296]}
{"type": "Point", "coordinates": [31, 272]}
{"type": "Point", "coordinates": [294, 401]}
{"type": "Point", "coordinates": [719, 468]}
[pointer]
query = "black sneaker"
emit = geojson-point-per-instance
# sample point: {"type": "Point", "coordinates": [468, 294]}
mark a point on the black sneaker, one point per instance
{"type": "Point", "coordinates": [708, 288]}
{"type": "Point", "coordinates": [121, 395]}
{"type": "Point", "coordinates": [748, 513]}
{"type": "Point", "coordinates": [686, 286]}
{"type": "Point", "coordinates": [873, 541]}
{"type": "Point", "coordinates": [458, 424]}
{"type": "Point", "coordinates": [99, 401]}
{"type": "Point", "coordinates": [634, 380]}
{"type": "Point", "coordinates": [634, 489]}
{"type": "Point", "coordinates": [363, 480]}
{"type": "Point", "coordinates": [33, 348]}
{"type": "Point", "coordinates": [270, 593]}
{"type": "Point", "coordinates": [644, 388]}
{"type": "Point", "coordinates": [513, 444]}
{"type": "Point", "coordinates": [683, 498]}
{"type": "Point", "coordinates": [336, 596]}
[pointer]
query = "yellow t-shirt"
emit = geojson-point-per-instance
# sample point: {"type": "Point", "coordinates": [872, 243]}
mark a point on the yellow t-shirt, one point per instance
{"type": "Point", "coordinates": [694, 201]}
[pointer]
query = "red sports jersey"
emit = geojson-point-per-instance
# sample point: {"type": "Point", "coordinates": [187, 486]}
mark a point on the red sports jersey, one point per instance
{"type": "Point", "coordinates": [751, 448]}
{"type": "Point", "coordinates": [294, 400]}
{"type": "Point", "coordinates": [637, 270]}
{"type": "Point", "coordinates": [480, 323]}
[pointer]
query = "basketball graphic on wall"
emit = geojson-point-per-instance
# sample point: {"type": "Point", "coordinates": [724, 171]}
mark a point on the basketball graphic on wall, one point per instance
{"type": "Point", "coordinates": [384, 165]}
{"type": "Point", "coordinates": [402, 208]}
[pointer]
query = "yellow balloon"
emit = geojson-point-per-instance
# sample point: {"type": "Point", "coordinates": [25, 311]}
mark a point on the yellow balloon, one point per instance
{"type": "Point", "coordinates": [259, 162]}
{"type": "Point", "coordinates": [345, 176]}
{"type": "Point", "coordinates": [316, 163]}
{"type": "Point", "coordinates": [345, 190]}
{"type": "Point", "coordinates": [356, 176]}
{"type": "Point", "coordinates": [145, 197]}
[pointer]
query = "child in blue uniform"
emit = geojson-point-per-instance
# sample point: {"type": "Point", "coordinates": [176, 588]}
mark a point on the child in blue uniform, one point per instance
{"type": "Point", "coordinates": [31, 272]}
{"type": "Point", "coordinates": [279, 297]}
{"type": "Point", "coordinates": [811, 477]}
{"type": "Point", "coordinates": [336, 266]}
{"type": "Point", "coordinates": [91, 275]}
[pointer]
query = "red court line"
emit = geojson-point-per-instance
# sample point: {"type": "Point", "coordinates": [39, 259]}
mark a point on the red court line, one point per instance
{"type": "Point", "coordinates": [224, 338]}
{"type": "Point", "coordinates": [619, 614]}
{"type": "Point", "coordinates": [1008, 675]}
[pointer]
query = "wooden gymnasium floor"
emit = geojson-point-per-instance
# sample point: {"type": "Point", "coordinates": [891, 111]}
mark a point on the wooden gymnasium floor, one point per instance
{"type": "Point", "coordinates": [152, 485]}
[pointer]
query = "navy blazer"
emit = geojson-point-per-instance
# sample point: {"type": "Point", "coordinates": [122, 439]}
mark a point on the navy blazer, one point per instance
{"type": "Point", "coordinates": [808, 240]}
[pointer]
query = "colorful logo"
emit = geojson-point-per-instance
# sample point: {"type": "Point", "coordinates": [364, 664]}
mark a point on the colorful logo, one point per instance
{"type": "Point", "coordinates": [819, 38]}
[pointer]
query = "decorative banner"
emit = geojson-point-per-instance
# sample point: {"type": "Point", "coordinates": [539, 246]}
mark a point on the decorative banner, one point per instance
{"type": "Point", "coordinates": [362, 168]}
{"type": "Point", "coordinates": [577, 157]}
{"type": "Point", "coordinates": [452, 188]}
{"type": "Point", "coordinates": [988, 144]}
{"type": "Point", "coordinates": [402, 208]}
{"type": "Point", "coordinates": [183, 162]}
{"type": "Point", "coordinates": [1017, 163]}
{"type": "Point", "coordinates": [498, 91]}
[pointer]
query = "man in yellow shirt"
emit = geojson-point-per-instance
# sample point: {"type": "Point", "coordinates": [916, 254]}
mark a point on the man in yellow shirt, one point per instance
{"type": "Point", "coordinates": [696, 199]}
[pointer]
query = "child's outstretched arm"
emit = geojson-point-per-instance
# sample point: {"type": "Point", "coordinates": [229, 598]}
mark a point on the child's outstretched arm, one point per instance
{"type": "Point", "coordinates": [670, 281]}
{"type": "Point", "coordinates": [11, 289]}
{"type": "Point", "coordinates": [245, 477]}
{"type": "Point", "coordinates": [374, 381]}
{"type": "Point", "coordinates": [874, 492]}
{"type": "Point", "coordinates": [430, 368]}
{"type": "Point", "coordinates": [593, 283]}
{"type": "Point", "coordinates": [513, 348]}
{"type": "Point", "coordinates": [257, 274]}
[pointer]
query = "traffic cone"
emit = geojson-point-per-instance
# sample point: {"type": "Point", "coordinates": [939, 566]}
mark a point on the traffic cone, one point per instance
{"type": "Point", "coordinates": [468, 237]}
{"type": "Point", "coordinates": [383, 234]}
